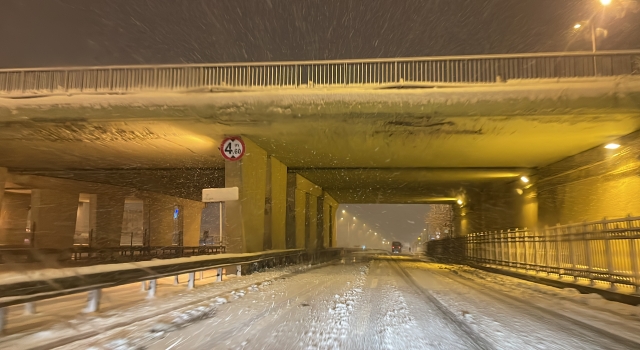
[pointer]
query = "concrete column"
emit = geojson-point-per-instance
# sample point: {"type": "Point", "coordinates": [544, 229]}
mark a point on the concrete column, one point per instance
{"type": "Point", "coordinates": [291, 225]}
{"type": "Point", "coordinates": [321, 230]}
{"type": "Point", "coordinates": [244, 219]}
{"type": "Point", "coordinates": [53, 214]}
{"type": "Point", "coordinates": [192, 221]}
{"type": "Point", "coordinates": [312, 216]}
{"type": "Point", "coordinates": [109, 210]}
{"type": "Point", "coordinates": [158, 219]}
{"type": "Point", "coordinates": [301, 219]}
{"type": "Point", "coordinates": [330, 208]}
{"type": "Point", "coordinates": [278, 204]}
{"type": "Point", "coordinates": [3, 179]}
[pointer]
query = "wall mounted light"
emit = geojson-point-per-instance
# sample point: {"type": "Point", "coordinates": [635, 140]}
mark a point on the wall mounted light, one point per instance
{"type": "Point", "coordinates": [612, 146]}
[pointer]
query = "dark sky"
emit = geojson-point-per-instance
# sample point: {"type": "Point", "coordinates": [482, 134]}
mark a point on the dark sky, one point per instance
{"type": "Point", "coordinates": [402, 222]}
{"type": "Point", "coordinates": [100, 32]}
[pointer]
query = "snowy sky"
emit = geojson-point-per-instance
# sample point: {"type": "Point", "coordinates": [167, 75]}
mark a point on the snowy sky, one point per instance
{"type": "Point", "coordinates": [402, 222]}
{"type": "Point", "coordinates": [99, 32]}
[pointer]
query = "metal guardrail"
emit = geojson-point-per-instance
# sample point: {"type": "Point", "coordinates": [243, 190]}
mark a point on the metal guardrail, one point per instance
{"type": "Point", "coordinates": [337, 73]}
{"type": "Point", "coordinates": [104, 255]}
{"type": "Point", "coordinates": [28, 291]}
{"type": "Point", "coordinates": [606, 250]}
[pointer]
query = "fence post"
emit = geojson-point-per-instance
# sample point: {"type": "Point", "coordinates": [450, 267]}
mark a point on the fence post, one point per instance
{"type": "Point", "coordinates": [525, 236]}
{"type": "Point", "coordinates": [176, 280]}
{"type": "Point", "coordinates": [93, 302]}
{"type": "Point", "coordinates": [144, 286]}
{"type": "Point", "coordinates": [558, 251]}
{"type": "Point", "coordinates": [3, 319]}
{"type": "Point", "coordinates": [30, 308]}
{"type": "Point", "coordinates": [238, 270]}
{"type": "Point", "coordinates": [572, 254]}
{"type": "Point", "coordinates": [535, 240]}
{"type": "Point", "coordinates": [609, 253]}
{"type": "Point", "coordinates": [509, 248]}
{"type": "Point", "coordinates": [587, 251]}
{"type": "Point", "coordinates": [202, 275]}
{"type": "Point", "coordinates": [153, 285]}
{"type": "Point", "coordinates": [219, 275]}
{"type": "Point", "coordinates": [192, 280]}
{"type": "Point", "coordinates": [547, 248]}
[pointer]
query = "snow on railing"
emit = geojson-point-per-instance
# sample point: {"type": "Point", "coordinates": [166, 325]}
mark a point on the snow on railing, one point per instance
{"type": "Point", "coordinates": [336, 73]}
{"type": "Point", "coordinates": [605, 251]}
{"type": "Point", "coordinates": [34, 285]}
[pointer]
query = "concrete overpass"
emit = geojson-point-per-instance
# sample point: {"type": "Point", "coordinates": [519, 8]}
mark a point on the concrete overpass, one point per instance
{"type": "Point", "coordinates": [417, 130]}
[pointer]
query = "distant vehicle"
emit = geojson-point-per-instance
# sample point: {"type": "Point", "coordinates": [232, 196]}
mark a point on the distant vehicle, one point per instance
{"type": "Point", "coordinates": [396, 247]}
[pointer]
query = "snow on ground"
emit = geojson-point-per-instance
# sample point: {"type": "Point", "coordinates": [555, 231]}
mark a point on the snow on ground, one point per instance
{"type": "Point", "coordinates": [354, 306]}
{"type": "Point", "coordinates": [61, 318]}
{"type": "Point", "coordinates": [509, 323]}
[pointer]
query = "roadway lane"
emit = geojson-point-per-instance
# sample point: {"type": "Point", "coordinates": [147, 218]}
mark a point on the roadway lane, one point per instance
{"type": "Point", "coordinates": [389, 303]}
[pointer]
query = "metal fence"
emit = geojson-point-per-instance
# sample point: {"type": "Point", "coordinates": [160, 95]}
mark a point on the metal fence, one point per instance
{"type": "Point", "coordinates": [605, 251]}
{"type": "Point", "coordinates": [451, 69]}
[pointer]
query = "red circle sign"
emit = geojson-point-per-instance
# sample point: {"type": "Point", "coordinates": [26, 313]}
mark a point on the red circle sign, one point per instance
{"type": "Point", "coordinates": [232, 148]}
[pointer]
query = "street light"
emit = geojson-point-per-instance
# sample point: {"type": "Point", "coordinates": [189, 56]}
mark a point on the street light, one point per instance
{"type": "Point", "coordinates": [605, 2]}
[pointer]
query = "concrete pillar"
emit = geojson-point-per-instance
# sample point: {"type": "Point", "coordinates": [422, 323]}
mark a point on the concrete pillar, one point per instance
{"type": "Point", "coordinates": [109, 210]}
{"type": "Point", "coordinates": [301, 219]}
{"type": "Point", "coordinates": [3, 179]}
{"type": "Point", "coordinates": [244, 219]}
{"type": "Point", "coordinates": [278, 204]}
{"type": "Point", "coordinates": [320, 224]}
{"type": "Point", "coordinates": [291, 225]}
{"type": "Point", "coordinates": [192, 221]}
{"type": "Point", "coordinates": [53, 214]}
{"type": "Point", "coordinates": [312, 217]}
{"type": "Point", "coordinates": [158, 219]}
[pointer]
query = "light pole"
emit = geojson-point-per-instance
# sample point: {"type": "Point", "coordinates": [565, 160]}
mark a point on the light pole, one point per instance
{"type": "Point", "coordinates": [594, 31]}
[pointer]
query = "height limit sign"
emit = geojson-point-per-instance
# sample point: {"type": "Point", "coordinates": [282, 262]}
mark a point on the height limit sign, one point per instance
{"type": "Point", "coordinates": [232, 148]}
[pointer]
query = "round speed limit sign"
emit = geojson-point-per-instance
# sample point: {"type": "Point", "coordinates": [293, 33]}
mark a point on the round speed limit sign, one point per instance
{"type": "Point", "coordinates": [232, 148]}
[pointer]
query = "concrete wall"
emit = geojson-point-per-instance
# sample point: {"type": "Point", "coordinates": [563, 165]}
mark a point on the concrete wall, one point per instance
{"type": "Point", "coordinates": [159, 219]}
{"type": "Point", "coordinates": [55, 208]}
{"type": "Point", "coordinates": [53, 214]}
{"type": "Point", "coordinates": [13, 218]}
{"type": "Point", "coordinates": [591, 185]}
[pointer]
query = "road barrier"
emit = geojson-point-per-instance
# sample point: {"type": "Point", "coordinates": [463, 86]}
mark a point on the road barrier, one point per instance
{"type": "Point", "coordinates": [27, 288]}
{"type": "Point", "coordinates": [336, 73]}
{"type": "Point", "coordinates": [595, 252]}
{"type": "Point", "coordinates": [88, 255]}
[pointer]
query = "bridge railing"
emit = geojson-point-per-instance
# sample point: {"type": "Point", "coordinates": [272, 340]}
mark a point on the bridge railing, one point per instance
{"type": "Point", "coordinates": [602, 251]}
{"type": "Point", "coordinates": [337, 73]}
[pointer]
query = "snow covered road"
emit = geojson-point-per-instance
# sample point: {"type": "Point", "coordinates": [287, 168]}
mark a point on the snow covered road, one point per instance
{"type": "Point", "coordinates": [382, 304]}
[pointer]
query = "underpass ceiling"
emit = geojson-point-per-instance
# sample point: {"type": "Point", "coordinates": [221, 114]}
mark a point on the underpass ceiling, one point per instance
{"type": "Point", "coordinates": [452, 137]}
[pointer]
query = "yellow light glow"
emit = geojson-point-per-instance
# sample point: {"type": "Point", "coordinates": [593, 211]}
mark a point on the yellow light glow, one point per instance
{"type": "Point", "coordinates": [460, 201]}
{"type": "Point", "coordinates": [577, 26]}
{"type": "Point", "coordinates": [520, 191]}
{"type": "Point", "coordinates": [524, 179]}
{"type": "Point", "coordinates": [612, 146]}
{"type": "Point", "coordinates": [605, 2]}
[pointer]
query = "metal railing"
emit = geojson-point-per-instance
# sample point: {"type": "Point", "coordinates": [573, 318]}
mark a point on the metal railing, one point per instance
{"type": "Point", "coordinates": [337, 73]}
{"type": "Point", "coordinates": [31, 289]}
{"type": "Point", "coordinates": [606, 251]}
{"type": "Point", "coordinates": [86, 255]}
